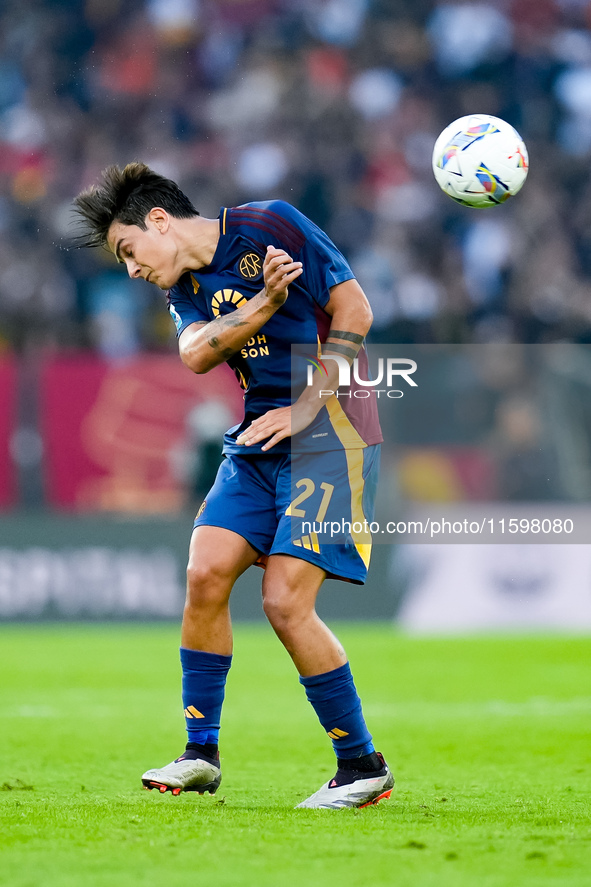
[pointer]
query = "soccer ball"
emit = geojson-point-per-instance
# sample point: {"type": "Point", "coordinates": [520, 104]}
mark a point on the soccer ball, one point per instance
{"type": "Point", "coordinates": [480, 161]}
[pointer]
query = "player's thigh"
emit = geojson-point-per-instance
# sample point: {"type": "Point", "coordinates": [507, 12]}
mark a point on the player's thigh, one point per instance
{"type": "Point", "coordinates": [290, 587]}
{"type": "Point", "coordinates": [217, 557]}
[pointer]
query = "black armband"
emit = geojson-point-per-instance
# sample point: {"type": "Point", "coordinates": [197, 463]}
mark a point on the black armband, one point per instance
{"type": "Point", "coordinates": [348, 337]}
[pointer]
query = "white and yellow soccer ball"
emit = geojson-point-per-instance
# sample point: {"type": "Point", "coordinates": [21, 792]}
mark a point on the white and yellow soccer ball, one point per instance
{"type": "Point", "coordinates": [480, 161]}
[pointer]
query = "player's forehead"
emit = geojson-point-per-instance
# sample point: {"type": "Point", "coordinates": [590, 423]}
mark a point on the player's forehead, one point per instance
{"type": "Point", "coordinates": [118, 231]}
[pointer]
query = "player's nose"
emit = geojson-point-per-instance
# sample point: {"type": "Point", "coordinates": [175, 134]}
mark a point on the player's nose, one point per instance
{"type": "Point", "coordinates": [133, 269]}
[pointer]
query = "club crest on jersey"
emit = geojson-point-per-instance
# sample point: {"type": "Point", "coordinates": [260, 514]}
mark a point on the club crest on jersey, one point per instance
{"type": "Point", "coordinates": [250, 265]}
{"type": "Point", "coordinates": [235, 298]}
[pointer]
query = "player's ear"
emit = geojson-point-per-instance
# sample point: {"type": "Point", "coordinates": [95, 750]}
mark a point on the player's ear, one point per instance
{"type": "Point", "coordinates": [160, 218]}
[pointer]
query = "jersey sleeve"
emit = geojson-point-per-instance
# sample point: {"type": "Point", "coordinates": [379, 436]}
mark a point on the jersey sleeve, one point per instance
{"type": "Point", "coordinates": [185, 308]}
{"type": "Point", "coordinates": [324, 266]}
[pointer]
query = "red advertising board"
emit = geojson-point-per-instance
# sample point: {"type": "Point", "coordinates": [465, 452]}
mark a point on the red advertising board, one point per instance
{"type": "Point", "coordinates": [7, 426]}
{"type": "Point", "coordinates": [111, 431]}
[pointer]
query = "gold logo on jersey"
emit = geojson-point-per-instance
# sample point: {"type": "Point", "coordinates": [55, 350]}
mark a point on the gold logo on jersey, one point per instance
{"type": "Point", "coordinates": [233, 296]}
{"type": "Point", "coordinates": [250, 265]}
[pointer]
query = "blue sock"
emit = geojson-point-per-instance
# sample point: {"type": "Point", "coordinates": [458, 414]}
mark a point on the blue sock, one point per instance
{"type": "Point", "coordinates": [335, 701]}
{"type": "Point", "coordinates": [204, 685]}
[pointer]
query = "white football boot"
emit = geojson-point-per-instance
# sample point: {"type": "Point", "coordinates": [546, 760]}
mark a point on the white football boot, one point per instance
{"type": "Point", "coordinates": [361, 789]}
{"type": "Point", "coordinates": [186, 774]}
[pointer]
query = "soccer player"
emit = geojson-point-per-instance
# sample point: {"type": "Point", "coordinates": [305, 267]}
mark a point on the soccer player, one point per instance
{"type": "Point", "coordinates": [241, 289]}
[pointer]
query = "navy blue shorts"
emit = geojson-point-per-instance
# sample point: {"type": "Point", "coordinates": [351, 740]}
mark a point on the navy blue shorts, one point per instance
{"type": "Point", "coordinates": [316, 507]}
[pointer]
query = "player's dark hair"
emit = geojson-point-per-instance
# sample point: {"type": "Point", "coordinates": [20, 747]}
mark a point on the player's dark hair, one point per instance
{"type": "Point", "coordinates": [127, 195]}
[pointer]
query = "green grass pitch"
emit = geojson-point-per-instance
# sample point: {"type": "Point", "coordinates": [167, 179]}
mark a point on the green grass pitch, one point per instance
{"type": "Point", "coordinates": [489, 739]}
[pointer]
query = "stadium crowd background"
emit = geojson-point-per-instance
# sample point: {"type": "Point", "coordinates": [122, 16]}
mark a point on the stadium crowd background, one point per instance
{"type": "Point", "coordinates": [333, 105]}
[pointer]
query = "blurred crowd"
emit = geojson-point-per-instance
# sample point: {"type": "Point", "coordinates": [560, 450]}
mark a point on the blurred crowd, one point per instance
{"type": "Point", "coordinates": [333, 105]}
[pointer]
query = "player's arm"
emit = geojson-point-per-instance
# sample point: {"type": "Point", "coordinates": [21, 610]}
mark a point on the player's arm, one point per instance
{"type": "Point", "coordinates": [351, 321]}
{"type": "Point", "coordinates": [351, 318]}
{"type": "Point", "coordinates": [203, 346]}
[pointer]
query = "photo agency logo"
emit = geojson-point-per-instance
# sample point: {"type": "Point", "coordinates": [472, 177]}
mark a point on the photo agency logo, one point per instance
{"type": "Point", "coordinates": [390, 372]}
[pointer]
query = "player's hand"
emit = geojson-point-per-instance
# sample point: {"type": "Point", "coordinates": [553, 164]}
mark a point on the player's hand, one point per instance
{"type": "Point", "coordinates": [278, 272]}
{"type": "Point", "coordinates": [276, 425]}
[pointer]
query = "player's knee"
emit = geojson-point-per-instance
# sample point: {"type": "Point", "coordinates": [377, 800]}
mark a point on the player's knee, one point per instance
{"type": "Point", "coordinates": [282, 609]}
{"type": "Point", "coordinates": [207, 584]}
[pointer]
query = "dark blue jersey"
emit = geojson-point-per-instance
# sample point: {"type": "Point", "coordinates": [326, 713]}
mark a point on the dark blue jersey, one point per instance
{"type": "Point", "coordinates": [264, 365]}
